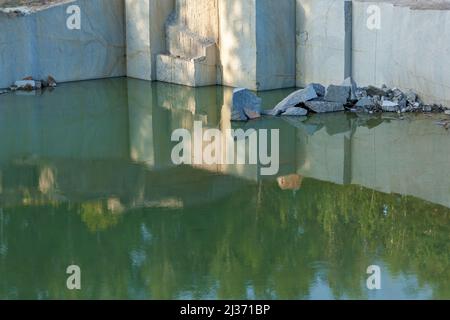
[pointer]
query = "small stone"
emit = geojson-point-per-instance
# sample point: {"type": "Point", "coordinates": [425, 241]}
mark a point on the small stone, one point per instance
{"type": "Point", "coordinates": [339, 94]}
{"type": "Point", "coordinates": [252, 113]}
{"type": "Point", "coordinates": [246, 105]}
{"type": "Point", "coordinates": [447, 112]}
{"type": "Point", "coordinates": [366, 103]}
{"type": "Point", "coordinates": [411, 96]}
{"type": "Point", "coordinates": [294, 99]}
{"type": "Point", "coordinates": [389, 106]}
{"type": "Point", "coordinates": [320, 106]}
{"type": "Point", "coordinates": [51, 82]}
{"type": "Point", "coordinates": [25, 85]}
{"type": "Point", "coordinates": [427, 109]}
{"type": "Point", "coordinates": [295, 112]}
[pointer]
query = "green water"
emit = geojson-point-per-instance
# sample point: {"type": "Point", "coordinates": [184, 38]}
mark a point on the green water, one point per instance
{"type": "Point", "coordinates": [86, 179]}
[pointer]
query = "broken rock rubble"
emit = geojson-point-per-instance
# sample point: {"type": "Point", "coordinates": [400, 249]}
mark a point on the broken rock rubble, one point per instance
{"type": "Point", "coordinates": [315, 98]}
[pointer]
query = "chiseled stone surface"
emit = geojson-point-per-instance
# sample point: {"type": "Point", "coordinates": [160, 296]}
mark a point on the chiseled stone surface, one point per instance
{"type": "Point", "coordinates": [185, 72]}
{"type": "Point", "coordinates": [47, 47]}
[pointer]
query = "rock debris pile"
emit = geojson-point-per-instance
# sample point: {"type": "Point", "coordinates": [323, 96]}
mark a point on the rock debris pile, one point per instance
{"type": "Point", "coordinates": [314, 98]}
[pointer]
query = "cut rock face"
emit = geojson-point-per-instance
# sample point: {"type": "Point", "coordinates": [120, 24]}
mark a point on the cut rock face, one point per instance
{"type": "Point", "coordinates": [320, 106]}
{"type": "Point", "coordinates": [339, 94]}
{"type": "Point", "coordinates": [294, 99]}
{"type": "Point", "coordinates": [246, 105]}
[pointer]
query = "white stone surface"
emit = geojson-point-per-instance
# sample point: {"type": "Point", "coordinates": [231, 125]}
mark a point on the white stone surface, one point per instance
{"type": "Point", "coordinates": [256, 43]}
{"type": "Point", "coordinates": [185, 72]}
{"type": "Point", "coordinates": [40, 44]}
{"type": "Point", "coordinates": [409, 51]}
{"type": "Point", "coordinates": [145, 34]}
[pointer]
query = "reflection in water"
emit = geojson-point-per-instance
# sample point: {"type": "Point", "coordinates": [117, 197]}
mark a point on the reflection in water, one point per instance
{"type": "Point", "coordinates": [86, 178]}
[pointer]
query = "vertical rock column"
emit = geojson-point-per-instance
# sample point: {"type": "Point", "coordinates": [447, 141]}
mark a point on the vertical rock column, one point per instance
{"type": "Point", "coordinates": [257, 43]}
{"type": "Point", "coordinates": [145, 24]}
{"type": "Point", "coordinates": [191, 37]}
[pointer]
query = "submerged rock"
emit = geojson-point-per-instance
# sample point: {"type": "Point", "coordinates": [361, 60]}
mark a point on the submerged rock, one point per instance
{"type": "Point", "coordinates": [295, 112]}
{"type": "Point", "coordinates": [321, 106]}
{"type": "Point", "coordinates": [339, 94]}
{"type": "Point", "coordinates": [246, 105]}
{"type": "Point", "coordinates": [294, 99]}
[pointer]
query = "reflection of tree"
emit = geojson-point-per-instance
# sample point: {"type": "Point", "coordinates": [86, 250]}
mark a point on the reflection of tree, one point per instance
{"type": "Point", "coordinates": [232, 248]}
{"type": "Point", "coordinates": [98, 215]}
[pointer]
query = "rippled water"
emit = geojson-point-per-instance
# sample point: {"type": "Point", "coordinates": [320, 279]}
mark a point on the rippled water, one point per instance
{"type": "Point", "coordinates": [86, 178]}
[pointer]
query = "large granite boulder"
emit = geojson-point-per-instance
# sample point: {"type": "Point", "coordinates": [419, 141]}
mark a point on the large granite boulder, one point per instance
{"type": "Point", "coordinates": [294, 99]}
{"type": "Point", "coordinates": [339, 94]}
{"type": "Point", "coordinates": [246, 105]}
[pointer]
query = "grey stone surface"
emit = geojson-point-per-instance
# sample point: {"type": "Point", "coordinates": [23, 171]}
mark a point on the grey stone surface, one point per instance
{"type": "Point", "coordinates": [295, 112]}
{"type": "Point", "coordinates": [374, 91]}
{"type": "Point", "coordinates": [339, 94]}
{"type": "Point", "coordinates": [145, 35]}
{"type": "Point", "coordinates": [389, 106]}
{"type": "Point", "coordinates": [349, 82]}
{"type": "Point", "coordinates": [40, 44]}
{"type": "Point", "coordinates": [366, 103]}
{"type": "Point", "coordinates": [320, 89]}
{"type": "Point", "coordinates": [320, 106]}
{"type": "Point", "coordinates": [246, 105]}
{"type": "Point", "coordinates": [411, 96]}
{"type": "Point", "coordinates": [295, 98]}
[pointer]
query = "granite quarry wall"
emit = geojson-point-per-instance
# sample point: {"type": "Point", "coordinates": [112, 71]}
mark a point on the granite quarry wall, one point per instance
{"type": "Point", "coordinates": [39, 43]}
{"type": "Point", "coordinates": [409, 47]}
{"type": "Point", "coordinates": [258, 44]}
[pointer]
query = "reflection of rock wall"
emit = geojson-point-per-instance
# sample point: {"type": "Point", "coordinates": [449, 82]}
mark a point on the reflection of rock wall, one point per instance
{"type": "Point", "coordinates": [40, 44]}
{"type": "Point", "coordinates": [86, 120]}
{"type": "Point", "coordinates": [404, 157]}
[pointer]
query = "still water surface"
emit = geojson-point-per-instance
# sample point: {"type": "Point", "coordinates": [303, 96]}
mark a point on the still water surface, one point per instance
{"type": "Point", "coordinates": [86, 178]}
